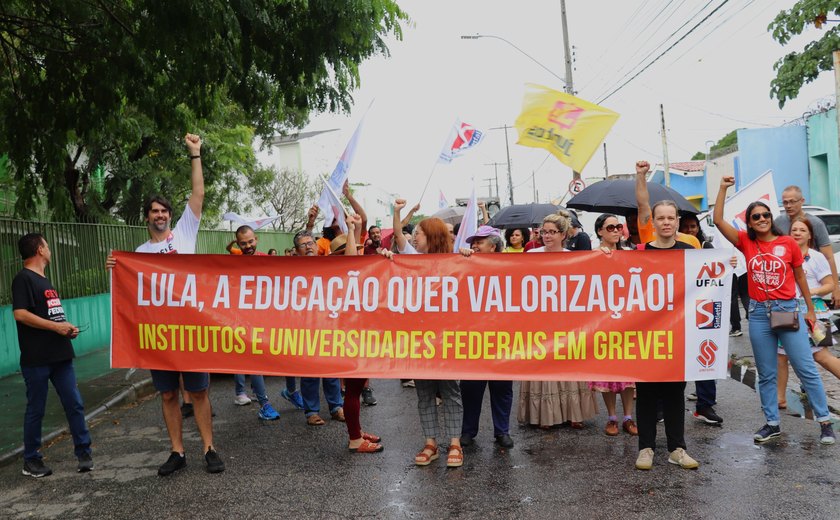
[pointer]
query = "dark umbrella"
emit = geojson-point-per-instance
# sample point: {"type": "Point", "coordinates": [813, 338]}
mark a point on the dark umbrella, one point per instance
{"type": "Point", "coordinates": [522, 215]}
{"type": "Point", "coordinates": [619, 197]}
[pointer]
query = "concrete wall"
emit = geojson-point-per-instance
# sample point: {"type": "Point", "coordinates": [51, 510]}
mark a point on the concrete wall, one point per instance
{"type": "Point", "coordinates": [692, 186]}
{"type": "Point", "coordinates": [824, 160]}
{"type": "Point", "coordinates": [783, 150]}
{"type": "Point", "coordinates": [716, 169]}
{"type": "Point", "coordinates": [90, 312]}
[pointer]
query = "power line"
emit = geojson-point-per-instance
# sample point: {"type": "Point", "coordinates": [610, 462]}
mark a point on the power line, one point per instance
{"type": "Point", "coordinates": [715, 28]}
{"type": "Point", "coordinates": [663, 52]}
{"type": "Point", "coordinates": [659, 46]}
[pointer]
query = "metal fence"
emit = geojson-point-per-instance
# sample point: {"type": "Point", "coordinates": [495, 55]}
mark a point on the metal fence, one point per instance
{"type": "Point", "coordinates": [79, 251]}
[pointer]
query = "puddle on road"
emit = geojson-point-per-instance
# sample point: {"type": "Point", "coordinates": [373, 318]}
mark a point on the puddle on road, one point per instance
{"type": "Point", "coordinates": [797, 403]}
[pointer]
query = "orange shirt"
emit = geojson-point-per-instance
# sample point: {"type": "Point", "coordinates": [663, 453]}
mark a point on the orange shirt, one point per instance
{"type": "Point", "coordinates": [323, 246]}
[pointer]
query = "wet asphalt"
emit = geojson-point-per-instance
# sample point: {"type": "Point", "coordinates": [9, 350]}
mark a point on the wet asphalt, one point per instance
{"type": "Point", "coordinates": [286, 469]}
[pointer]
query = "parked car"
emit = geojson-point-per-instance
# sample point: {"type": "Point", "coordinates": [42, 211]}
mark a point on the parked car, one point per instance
{"type": "Point", "coordinates": [831, 219]}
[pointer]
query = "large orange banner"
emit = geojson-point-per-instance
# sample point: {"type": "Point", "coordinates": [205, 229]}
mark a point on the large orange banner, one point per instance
{"type": "Point", "coordinates": [630, 316]}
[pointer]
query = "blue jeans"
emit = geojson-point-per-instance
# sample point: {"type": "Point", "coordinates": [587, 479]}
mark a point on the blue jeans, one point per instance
{"type": "Point", "coordinates": [291, 385]}
{"type": "Point", "coordinates": [63, 378]}
{"type": "Point", "coordinates": [257, 385]}
{"type": "Point", "coordinates": [765, 342]}
{"type": "Point", "coordinates": [312, 398]}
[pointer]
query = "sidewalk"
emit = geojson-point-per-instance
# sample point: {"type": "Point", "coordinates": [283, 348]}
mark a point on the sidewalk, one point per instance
{"type": "Point", "coordinates": [99, 385]}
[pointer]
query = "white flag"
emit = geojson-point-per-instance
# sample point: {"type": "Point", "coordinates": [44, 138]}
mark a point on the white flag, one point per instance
{"type": "Point", "coordinates": [469, 224]}
{"type": "Point", "coordinates": [462, 137]}
{"type": "Point", "coordinates": [253, 224]}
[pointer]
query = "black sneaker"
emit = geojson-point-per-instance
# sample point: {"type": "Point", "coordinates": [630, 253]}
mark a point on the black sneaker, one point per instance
{"type": "Point", "coordinates": [187, 410]}
{"type": "Point", "coordinates": [175, 462]}
{"type": "Point", "coordinates": [467, 440]}
{"type": "Point", "coordinates": [766, 433]}
{"type": "Point", "coordinates": [826, 433]}
{"type": "Point", "coordinates": [35, 468]}
{"type": "Point", "coordinates": [708, 415]}
{"type": "Point", "coordinates": [367, 396]}
{"type": "Point", "coordinates": [214, 462]}
{"type": "Point", "coordinates": [85, 463]}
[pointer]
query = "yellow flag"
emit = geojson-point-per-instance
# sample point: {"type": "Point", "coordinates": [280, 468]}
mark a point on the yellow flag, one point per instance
{"type": "Point", "coordinates": [563, 124]}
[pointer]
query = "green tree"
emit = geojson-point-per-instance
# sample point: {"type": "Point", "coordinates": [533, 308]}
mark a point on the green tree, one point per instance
{"type": "Point", "coordinates": [724, 142]}
{"type": "Point", "coordinates": [113, 85]}
{"type": "Point", "coordinates": [798, 68]}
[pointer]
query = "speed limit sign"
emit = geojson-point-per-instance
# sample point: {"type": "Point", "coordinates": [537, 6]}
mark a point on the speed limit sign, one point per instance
{"type": "Point", "coordinates": [576, 186]}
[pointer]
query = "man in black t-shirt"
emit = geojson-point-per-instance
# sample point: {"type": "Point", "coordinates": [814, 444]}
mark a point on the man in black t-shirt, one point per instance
{"type": "Point", "coordinates": [46, 354]}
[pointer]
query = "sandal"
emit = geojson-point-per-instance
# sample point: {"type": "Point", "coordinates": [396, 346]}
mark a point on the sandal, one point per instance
{"type": "Point", "coordinates": [455, 457]}
{"type": "Point", "coordinates": [371, 437]}
{"type": "Point", "coordinates": [368, 447]}
{"type": "Point", "coordinates": [315, 420]}
{"type": "Point", "coordinates": [429, 453]}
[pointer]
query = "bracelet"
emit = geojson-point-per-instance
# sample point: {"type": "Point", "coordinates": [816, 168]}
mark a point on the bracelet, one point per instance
{"type": "Point", "coordinates": [195, 157]}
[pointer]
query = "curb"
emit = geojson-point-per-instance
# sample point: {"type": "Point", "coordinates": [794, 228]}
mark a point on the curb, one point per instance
{"type": "Point", "coordinates": [128, 395]}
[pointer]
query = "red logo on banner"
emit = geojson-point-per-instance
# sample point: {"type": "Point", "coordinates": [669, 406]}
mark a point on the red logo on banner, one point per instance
{"type": "Point", "coordinates": [708, 314]}
{"type": "Point", "coordinates": [711, 275]}
{"type": "Point", "coordinates": [707, 353]}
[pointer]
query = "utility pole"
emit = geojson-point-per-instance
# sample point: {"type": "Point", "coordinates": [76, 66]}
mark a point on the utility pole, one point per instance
{"type": "Point", "coordinates": [534, 185]}
{"type": "Point", "coordinates": [667, 166]}
{"type": "Point", "coordinates": [495, 166]}
{"type": "Point", "coordinates": [570, 88]}
{"type": "Point", "coordinates": [507, 151]}
{"type": "Point", "coordinates": [489, 181]}
{"type": "Point", "coordinates": [606, 168]}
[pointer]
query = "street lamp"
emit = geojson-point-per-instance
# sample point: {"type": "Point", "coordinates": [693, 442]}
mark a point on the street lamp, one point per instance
{"type": "Point", "coordinates": [477, 36]}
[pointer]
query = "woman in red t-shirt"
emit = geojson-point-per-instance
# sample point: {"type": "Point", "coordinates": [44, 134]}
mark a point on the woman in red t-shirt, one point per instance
{"type": "Point", "coordinates": [774, 269]}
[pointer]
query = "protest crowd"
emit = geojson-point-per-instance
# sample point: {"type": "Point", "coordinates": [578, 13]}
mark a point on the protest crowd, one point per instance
{"type": "Point", "coordinates": [784, 318]}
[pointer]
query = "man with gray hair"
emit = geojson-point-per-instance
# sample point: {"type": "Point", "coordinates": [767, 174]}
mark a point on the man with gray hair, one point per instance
{"type": "Point", "coordinates": [792, 201]}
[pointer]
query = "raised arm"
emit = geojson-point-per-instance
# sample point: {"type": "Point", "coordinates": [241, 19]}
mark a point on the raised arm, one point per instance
{"type": "Point", "coordinates": [196, 201]}
{"type": "Point", "coordinates": [642, 195]}
{"type": "Point", "coordinates": [485, 216]}
{"type": "Point", "coordinates": [354, 222]}
{"type": "Point", "coordinates": [404, 222]}
{"type": "Point", "coordinates": [399, 204]}
{"type": "Point", "coordinates": [728, 231]}
{"type": "Point", "coordinates": [360, 211]}
{"type": "Point", "coordinates": [311, 215]}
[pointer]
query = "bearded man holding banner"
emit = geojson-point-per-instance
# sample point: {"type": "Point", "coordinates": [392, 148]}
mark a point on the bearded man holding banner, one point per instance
{"type": "Point", "coordinates": [180, 240]}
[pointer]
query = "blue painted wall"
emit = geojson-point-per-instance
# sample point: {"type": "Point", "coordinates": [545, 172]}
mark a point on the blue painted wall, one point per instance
{"type": "Point", "coordinates": [783, 150]}
{"type": "Point", "coordinates": [824, 160]}
{"type": "Point", "coordinates": [688, 187]}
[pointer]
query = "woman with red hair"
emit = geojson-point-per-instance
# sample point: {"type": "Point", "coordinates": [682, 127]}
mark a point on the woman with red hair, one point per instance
{"type": "Point", "coordinates": [432, 236]}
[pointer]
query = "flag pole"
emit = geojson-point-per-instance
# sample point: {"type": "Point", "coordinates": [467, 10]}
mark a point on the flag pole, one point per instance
{"type": "Point", "coordinates": [427, 181]}
{"type": "Point", "coordinates": [337, 197]}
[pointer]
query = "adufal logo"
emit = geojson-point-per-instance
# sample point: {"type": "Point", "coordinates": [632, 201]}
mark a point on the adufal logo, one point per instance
{"type": "Point", "coordinates": [707, 355]}
{"type": "Point", "coordinates": [711, 275]}
{"type": "Point", "coordinates": [708, 314]}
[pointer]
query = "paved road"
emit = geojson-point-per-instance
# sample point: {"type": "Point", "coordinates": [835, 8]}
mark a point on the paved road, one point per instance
{"type": "Point", "coordinates": [287, 469]}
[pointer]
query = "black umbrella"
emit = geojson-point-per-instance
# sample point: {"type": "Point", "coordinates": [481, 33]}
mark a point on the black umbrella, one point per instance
{"type": "Point", "coordinates": [619, 197]}
{"type": "Point", "coordinates": [522, 215]}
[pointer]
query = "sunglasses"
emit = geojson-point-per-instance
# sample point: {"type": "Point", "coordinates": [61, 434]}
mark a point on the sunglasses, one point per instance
{"type": "Point", "coordinates": [546, 232]}
{"type": "Point", "coordinates": [758, 216]}
{"type": "Point", "coordinates": [614, 227]}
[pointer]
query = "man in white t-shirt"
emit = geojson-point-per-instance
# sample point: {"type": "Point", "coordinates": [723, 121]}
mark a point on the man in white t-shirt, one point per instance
{"type": "Point", "coordinates": [181, 240]}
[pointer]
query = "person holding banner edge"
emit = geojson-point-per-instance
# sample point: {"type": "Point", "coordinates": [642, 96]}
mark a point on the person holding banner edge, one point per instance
{"type": "Point", "coordinates": [773, 257]}
{"type": "Point", "coordinates": [431, 236]}
{"type": "Point", "coordinates": [180, 240]}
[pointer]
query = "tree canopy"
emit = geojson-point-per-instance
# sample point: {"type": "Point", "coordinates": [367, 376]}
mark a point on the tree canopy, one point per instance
{"type": "Point", "coordinates": [724, 142]}
{"type": "Point", "coordinates": [798, 68]}
{"type": "Point", "coordinates": [95, 97]}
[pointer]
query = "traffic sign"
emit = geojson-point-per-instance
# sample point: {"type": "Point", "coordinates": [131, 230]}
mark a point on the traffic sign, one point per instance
{"type": "Point", "coordinates": [576, 186]}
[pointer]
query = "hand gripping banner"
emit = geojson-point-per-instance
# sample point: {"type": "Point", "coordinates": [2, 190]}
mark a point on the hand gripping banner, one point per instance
{"type": "Point", "coordinates": [585, 316]}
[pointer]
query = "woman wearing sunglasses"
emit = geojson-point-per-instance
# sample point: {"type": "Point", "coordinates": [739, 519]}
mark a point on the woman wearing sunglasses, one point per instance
{"type": "Point", "coordinates": [550, 403]}
{"type": "Point", "coordinates": [774, 270]}
{"type": "Point", "coordinates": [609, 231]}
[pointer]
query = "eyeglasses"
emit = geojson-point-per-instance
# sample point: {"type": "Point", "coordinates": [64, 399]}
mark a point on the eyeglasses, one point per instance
{"type": "Point", "coordinates": [311, 243]}
{"type": "Point", "coordinates": [790, 202]}
{"type": "Point", "coordinates": [546, 232]}
{"type": "Point", "coordinates": [758, 216]}
{"type": "Point", "coordinates": [614, 227]}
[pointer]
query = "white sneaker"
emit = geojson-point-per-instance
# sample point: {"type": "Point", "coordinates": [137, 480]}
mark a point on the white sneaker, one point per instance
{"type": "Point", "coordinates": [682, 459]}
{"type": "Point", "coordinates": [241, 400]}
{"type": "Point", "coordinates": [645, 459]}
